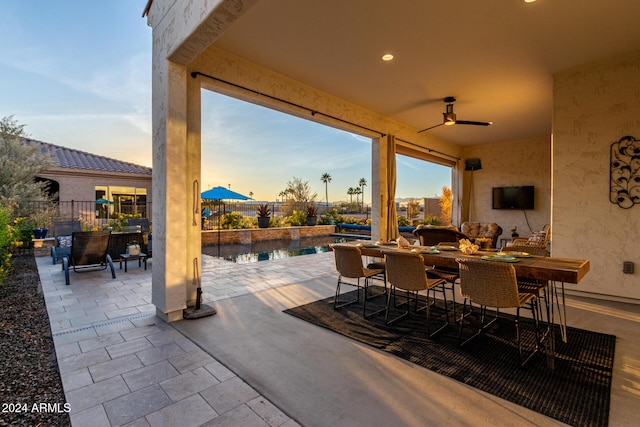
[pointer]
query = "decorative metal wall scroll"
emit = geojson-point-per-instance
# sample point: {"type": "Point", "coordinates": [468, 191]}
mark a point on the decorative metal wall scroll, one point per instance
{"type": "Point", "coordinates": [624, 186]}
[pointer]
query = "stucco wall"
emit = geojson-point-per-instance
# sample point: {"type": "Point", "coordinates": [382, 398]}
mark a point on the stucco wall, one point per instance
{"type": "Point", "coordinates": [513, 163]}
{"type": "Point", "coordinates": [594, 106]}
{"type": "Point", "coordinates": [81, 186]}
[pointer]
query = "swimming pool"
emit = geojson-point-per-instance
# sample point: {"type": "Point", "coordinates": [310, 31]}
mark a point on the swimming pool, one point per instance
{"type": "Point", "coordinates": [274, 249]}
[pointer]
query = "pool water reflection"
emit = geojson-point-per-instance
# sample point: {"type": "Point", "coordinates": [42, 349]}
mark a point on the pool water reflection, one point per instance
{"type": "Point", "coordinates": [273, 249]}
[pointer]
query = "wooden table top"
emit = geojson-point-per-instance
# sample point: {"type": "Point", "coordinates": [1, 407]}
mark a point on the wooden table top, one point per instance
{"type": "Point", "coordinates": [567, 270]}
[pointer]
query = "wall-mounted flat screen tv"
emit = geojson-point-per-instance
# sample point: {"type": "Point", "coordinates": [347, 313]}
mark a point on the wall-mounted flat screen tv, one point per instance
{"type": "Point", "coordinates": [513, 197]}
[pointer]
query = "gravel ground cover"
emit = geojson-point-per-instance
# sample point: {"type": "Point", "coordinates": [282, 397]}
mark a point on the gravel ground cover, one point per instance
{"type": "Point", "coordinates": [30, 385]}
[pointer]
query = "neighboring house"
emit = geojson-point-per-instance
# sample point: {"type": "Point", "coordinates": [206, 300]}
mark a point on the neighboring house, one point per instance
{"type": "Point", "coordinates": [99, 186]}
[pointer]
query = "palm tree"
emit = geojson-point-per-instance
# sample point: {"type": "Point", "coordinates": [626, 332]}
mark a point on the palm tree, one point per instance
{"type": "Point", "coordinates": [362, 184]}
{"type": "Point", "coordinates": [326, 178]}
{"type": "Point", "coordinates": [351, 191]}
{"type": "Point", "coordinates": [357, 192]}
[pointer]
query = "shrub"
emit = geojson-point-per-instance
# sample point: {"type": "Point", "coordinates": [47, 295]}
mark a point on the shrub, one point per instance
{"type": "Point", "coordinates": [430, 220]}
{"type": "Point", "coordinates": [235, 220]}
{"type": "Point", "coordinates": [403, 221]}
{"type": "Point", "coordinates": [297, 218]}
{"type": "Point", "coordinates": [7, 237]}
{"type": "Point", "coordinates": [331, 217]}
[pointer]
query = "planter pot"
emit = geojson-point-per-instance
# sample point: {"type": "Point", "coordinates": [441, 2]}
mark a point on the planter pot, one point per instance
{"type": "Point", "coordinates": [40, 233]}
{"type": "Point", "coordinates": [263, 221]}
{"type": "Point", "coordinates": [133, 250]}
{"type": "Point", "coordinates": [312, 220]}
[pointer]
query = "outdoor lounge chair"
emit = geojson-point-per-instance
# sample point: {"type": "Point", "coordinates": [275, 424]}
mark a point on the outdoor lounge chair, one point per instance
{"type": "Point", "coordinates": [88, 252]}
{"type": "Point", "coordinates": [62, 231]}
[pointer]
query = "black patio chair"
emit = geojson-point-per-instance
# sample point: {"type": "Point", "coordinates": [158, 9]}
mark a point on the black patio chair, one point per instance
{"type": "Point", "coordinates": [62, 231]}
{"type": "Point", "coordinates": [89, 251]}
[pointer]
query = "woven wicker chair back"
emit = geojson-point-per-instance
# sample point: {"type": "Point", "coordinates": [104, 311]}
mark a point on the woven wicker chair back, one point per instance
{"type": "Point", "coordinates": [348, 261]}
{"type": "Point", "coordinates": [488, 283]}
{"type": "Point", "coordinates": [406, 271]}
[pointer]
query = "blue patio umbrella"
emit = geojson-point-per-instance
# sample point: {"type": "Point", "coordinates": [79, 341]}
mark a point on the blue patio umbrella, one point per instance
{"type": "Point", "coordinates": [222, 193]}
{"type": "Point", "coordinates": [102, 201]}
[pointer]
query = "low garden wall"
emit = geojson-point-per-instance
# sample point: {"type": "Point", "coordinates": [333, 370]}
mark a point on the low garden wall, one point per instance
{"type": "Point", "coordinates": [249, 235]}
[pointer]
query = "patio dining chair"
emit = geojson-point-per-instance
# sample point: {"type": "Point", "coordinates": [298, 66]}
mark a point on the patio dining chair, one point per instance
{"type": "Point", "coordinates": [536, 286]}
{"type": "Point", "coordinates": [406, 271]}
{"type": "Point", "coordinates": [349, 264]}
{"type": "Point", "coordinates": [492, 284]}
{"type": "Point", "coordinates": [89, 251]}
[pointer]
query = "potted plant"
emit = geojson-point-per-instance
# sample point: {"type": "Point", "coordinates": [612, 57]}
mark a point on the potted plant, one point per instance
{"type": "Point", "coordinates": [264, 216]}
{"type": "Point", "coordinates": [312, 215]}
{"type": "Point", "coordinates": [133, 249]}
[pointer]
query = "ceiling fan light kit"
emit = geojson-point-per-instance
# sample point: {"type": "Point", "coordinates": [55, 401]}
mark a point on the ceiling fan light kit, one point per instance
{"type": "Point", "coordinates": [449, 117]}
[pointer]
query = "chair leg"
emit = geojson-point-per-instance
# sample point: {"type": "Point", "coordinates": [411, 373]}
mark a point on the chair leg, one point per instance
{"type": "Point", "coordinates": [366, 286]}
{"type": "Point", "coordinates": [533, 308]}
{"type": "Point", "coordinates": [386, 317]}
{"type": "Point", "coordinates": [336, 304]}
{"type": "Point", "coordinates": [483, 325]}
{"type": "Point", "coordinates": [364, 303]}
{"type": "Point", "coordinates": [110, 262]}
{"type": "Point", "coordinates": [65, 267]}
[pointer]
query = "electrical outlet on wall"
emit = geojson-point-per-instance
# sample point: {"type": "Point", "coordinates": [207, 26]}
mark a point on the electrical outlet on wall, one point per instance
{"type": "Point", "coordinates": [627, 267]}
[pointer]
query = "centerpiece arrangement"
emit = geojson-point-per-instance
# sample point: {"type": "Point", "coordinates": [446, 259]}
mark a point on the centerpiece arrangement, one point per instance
{"type": "Point", "coordinates": [466, 247]}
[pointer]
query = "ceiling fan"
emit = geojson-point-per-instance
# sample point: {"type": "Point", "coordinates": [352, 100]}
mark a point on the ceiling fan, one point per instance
{"type": "Point", "coordinates": [449, 117]}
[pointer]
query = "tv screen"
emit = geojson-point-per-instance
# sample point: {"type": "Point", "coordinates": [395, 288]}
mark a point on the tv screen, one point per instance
{"type": "Point", "coordinates": [513, 197]}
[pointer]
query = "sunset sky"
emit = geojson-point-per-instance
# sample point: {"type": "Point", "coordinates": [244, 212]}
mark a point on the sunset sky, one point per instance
{"type": "Point", "coordinates": [78, 74]}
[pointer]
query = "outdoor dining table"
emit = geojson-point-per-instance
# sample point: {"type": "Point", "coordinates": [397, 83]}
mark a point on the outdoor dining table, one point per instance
{"type": "Point", "coordinates": [552, 269]}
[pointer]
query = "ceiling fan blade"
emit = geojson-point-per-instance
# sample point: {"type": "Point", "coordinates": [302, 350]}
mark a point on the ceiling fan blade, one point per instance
{"type": "Point", "coordinates": [467, 122]}
{"type": "Point", "coordinates": [430, 127]}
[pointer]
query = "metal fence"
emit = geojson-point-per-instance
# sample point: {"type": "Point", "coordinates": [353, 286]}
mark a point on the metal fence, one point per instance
{"type": "Point", "coordinates": [94, 215]}
{"type": "Point", "coordinates": [91, 214]}
{"type": "Point", "coordinates": [250, 209]}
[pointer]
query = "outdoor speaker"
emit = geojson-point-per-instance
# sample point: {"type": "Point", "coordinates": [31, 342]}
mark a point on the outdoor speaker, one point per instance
{"type": "Point", "coordinates": [472, 165]}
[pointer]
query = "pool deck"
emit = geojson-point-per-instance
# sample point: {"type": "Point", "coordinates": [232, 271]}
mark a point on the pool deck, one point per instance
{"type": "Point", "coordinates": [121, 365]}
{"type": "Point", "coordinates": [252, 365]}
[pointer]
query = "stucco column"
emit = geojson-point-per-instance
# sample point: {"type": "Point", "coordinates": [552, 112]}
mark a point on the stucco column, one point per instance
{"type": "Point", "coordinates": [176, 175]}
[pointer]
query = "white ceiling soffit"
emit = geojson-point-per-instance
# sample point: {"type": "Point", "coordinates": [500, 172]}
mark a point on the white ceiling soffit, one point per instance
{"type": "Point", "coordinates": [497, 57]}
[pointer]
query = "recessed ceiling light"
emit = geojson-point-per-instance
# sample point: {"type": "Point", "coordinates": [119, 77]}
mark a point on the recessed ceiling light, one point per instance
{"type": "Point", "coordinates": [529, 1]}
{"type": "Point", "coordinates": [387, 57]}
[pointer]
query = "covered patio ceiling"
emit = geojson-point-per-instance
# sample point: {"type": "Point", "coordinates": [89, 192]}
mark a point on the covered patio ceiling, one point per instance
{"type": "Point", "coordinates": [497, 57]}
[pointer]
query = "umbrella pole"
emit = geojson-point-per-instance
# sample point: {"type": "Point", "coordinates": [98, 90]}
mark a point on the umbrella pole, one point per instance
{"type": "Point", "coordinates": [219, 229]}
{"type": "Point", "coordinates": [200, 310]}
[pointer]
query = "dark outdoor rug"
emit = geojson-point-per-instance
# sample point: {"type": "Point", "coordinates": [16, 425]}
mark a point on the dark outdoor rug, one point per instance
{"type": "Point", "coordinates": [576, 392]}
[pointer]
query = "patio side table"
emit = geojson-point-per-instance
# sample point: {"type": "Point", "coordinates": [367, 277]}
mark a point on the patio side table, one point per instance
{"type": "Point", "coordinates": [140, 257]}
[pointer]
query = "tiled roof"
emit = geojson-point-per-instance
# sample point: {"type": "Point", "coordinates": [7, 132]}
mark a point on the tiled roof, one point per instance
{"type": "Point", "coordinates": [75, 159]}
